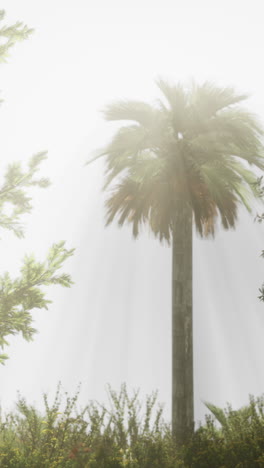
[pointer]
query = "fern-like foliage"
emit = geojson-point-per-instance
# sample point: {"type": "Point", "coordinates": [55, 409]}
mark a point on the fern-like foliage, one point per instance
{"type": "Point", "coordinates": [10, 35]}
{"type": "Point", "coordinates": [20, 296]}
{"type": "Point", "coordinates": [13, 192]}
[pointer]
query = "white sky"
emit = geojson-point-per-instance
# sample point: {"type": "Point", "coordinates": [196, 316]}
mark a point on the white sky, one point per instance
{"type": "Point", "coordinates": [114, 324]}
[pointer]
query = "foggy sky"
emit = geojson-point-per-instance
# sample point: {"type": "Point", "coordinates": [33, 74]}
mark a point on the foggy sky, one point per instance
{"type": "Point", "coordinates": [114, 324]}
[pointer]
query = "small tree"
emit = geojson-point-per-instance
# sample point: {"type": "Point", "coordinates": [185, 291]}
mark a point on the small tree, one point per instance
{"type": "Point", "coordinates": [20, 296]}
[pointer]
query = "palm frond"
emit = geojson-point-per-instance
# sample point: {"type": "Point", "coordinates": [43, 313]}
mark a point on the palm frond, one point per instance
{"type": "Point", "coordinates": [208, 98]}
{"type": "Point", "coordinates": [136, 111]}
{"type": "Point", "coordinates": [174, 95]}
{"type": "Point", "coordinates": [218, 413]}
{"type": "Point", "coordinates": [178, 110]}
{"type": "Point", "coordinates": [96, 155]}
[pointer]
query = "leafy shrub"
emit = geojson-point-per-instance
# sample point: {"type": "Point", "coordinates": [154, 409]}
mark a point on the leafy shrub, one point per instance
{"type": "Point", "coordinates": [238, 443]}
{"type": "Point", "coordinates": [96, 437]}
{"type": "Point", "coordinates": [126, 433]}
{"type": "Point", "coordinates": [28, 439]}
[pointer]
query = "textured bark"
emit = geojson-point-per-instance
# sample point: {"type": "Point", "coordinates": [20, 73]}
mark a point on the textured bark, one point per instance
{"type": "Point", "coordinates": [182, 336]}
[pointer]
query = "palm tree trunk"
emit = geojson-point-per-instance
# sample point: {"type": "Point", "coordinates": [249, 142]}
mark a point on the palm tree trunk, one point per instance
{"type": "Point", "coordinates": [182, 339]}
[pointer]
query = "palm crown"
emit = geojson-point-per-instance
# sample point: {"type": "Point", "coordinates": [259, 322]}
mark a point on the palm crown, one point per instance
{"type": "Point", "coordinates": [190, 150]}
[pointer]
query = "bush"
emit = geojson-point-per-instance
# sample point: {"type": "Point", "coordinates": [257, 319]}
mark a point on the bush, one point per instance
{"type": "Point", "coordinates": [238, 443]}
{"type": "Point", "coordinates": [96, 437]}
{"type": "Point", "coordinates": [127, 434]}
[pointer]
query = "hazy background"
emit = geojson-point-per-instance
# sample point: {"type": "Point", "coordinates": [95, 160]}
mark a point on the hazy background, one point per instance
{"type": "Point", "coordinates": [114, 324]}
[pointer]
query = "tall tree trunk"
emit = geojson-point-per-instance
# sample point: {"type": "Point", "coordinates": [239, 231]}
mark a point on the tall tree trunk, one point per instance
{"type": "Point", "coordinates": [182, 336]}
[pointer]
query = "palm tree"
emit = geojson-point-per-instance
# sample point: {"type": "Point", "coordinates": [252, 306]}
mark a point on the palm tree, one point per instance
{"type": "Point", "coordinates": [181, 160]}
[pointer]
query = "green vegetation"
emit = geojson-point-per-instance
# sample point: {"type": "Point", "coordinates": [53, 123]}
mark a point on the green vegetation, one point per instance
{"type": "Point", "coordinates": [123, 434]}
{"type": "Point", "coordinates": [95, 437]}
{"type": "Point", "coordinates": [259, 218]}
{"type": "Point", "coordinates": [20, 296]}
{"type": "Point", "coordinates": [10, 35]}
{"type": "Point", "coordinates": [238, 443]}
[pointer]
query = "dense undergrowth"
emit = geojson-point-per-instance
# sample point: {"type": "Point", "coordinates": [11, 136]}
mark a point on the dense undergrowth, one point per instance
{"type": "Point", "coordinates": [127, 434]}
